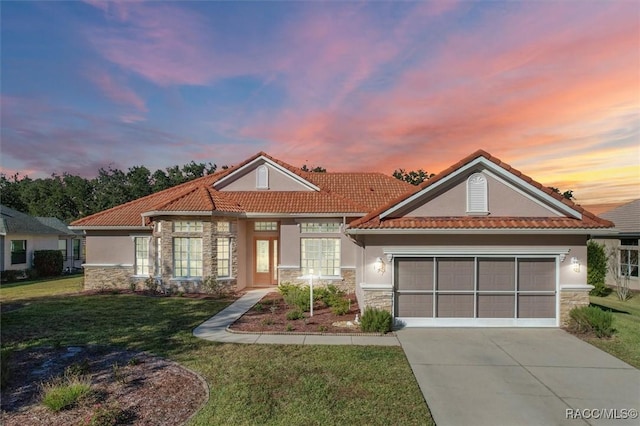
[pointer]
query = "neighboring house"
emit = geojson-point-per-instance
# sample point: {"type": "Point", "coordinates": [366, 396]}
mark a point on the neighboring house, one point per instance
{"type": "Point", "coordinates": [70, 243]}
{"type": "Point", "coordinates": [478, 244]}
{"type": "Point", "coordinates": [21, 235]}
{"type": "Point", "coordinates": [624, 242]}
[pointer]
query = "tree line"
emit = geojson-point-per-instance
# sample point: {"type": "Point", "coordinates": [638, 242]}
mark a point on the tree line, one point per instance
{"type": "Point", "coordinates": [69, 197]}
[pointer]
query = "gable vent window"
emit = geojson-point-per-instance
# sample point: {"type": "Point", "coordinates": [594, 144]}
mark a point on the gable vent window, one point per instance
{"type": "Point", "coordinates": [262, 177]}
{"type": "Point", "coordinates": [477, 194]}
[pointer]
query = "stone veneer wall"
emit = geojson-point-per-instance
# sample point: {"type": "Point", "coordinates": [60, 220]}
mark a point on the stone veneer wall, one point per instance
{"type": "Point", "coordinates": [346, 284]}
{"type": "Point", "coordinates": [377, 298]}
{"type": "Point", "coordinates": [570, 299]}
{"type": "Point", "coordinates": [107, 277]}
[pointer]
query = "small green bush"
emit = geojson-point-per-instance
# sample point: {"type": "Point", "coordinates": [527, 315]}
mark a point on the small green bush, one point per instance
{"type": "Point", "coordinates": [215, 287]}
{"type": "Point", "coordinates": [65, 393]}
{"type": "Point", "coordinates": [376, 320]}
{"type": "Point", "coordinates": [297, 296]}
{"type": "Point", "coordinates": [48, 263]}
{"type": "Point", "coordinates": [295, 315]}
{"type": "Point", "coordinates": [330, 295]}
{"type": "Point", "coordinates": [9, 276]}
{"type": "Point", "coordinates": [340, 306]}
{"type": "Point", "coordinates": [108, 415]}
{"type": "Point", "coordinates": [591, 319]}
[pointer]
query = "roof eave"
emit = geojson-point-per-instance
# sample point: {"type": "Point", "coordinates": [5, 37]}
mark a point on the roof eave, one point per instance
{"type": "Point", "coordinates": [109, 228]}
{"type": "Point", "coordinates": [422, 231]}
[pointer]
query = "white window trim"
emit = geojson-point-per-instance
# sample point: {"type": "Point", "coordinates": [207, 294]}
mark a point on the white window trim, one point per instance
{"type": "Point", "coordinates": [327, 277]}
{"type": "Point", "coordinates": [135, 255]}
{"type": "Point", "coordinates": [187, 277]}
{"type": "Point", "coordinates": [228, 259]}
{"type": "Point", "coordinates": [262, 177]}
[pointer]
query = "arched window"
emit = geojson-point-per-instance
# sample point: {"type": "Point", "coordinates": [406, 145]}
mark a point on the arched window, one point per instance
{"type": "Point", "coordinates": [477, 194]}
{"type": "Point", "coordinates": [262, 177]}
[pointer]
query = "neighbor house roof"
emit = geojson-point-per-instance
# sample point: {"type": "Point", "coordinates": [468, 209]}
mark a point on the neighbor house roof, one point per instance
{"type": "Point", "coordinates": [376, 219]}
{"type": "Point", "coordinates": [626, 217]}
{"type": "Point", "coordinates": [15, 222]}
{"type": "Point", "coordinates": [55, 223]}
{"type": "Point", "coordinates": [338, 193]}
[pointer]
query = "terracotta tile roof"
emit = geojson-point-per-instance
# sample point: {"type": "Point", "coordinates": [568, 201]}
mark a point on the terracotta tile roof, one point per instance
{"type": "Point", "coordinates": [339, 193]}
{"type": "Point", "coordinates": [484, 222]}
{"type": "Point", "coordinates": [589, 220]}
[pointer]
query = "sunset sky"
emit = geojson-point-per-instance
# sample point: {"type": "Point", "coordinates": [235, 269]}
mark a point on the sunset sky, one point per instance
{"type": "Point", "coordinates": [550, 87]}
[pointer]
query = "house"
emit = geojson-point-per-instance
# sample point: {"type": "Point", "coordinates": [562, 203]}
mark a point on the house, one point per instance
{"type": "Point", "coordinates": [70, 243]}
{"type": "Point", "coordinates": [21, 235]}
{"type": "Point", "coordinates": [625, 242]}
{"type": "Point", "coordinates": [478, 244]}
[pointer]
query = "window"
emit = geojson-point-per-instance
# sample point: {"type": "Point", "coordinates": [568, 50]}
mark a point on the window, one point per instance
{"type": "Point", "coordinates": [76, 249]}
{"type": "Point", "coordinates": [322, 255]}
{"type": "Point", "coordinates": [477, 194]}
{"type": "Point", "coordinates": [262, 177]}
{"type": "Point", "coordinates": [310, 227]}
{"type": "Point", "coordinates": [265, 226]}
{"type": "Point", "coordinates": [223, 227]}
{"type": "Point", "coordinates": [62, 246]}
{"type": "Point", "coordinates": [142, 255]}
{"type": "Point", "coordinates": [187, 226]}
{"type": "Point", "coordinates": [18, 252]}
{"type": "Point", "coordinates": [224, 251]}
{"type": "Point", "coordinates": [187, 257]}
{"type": "Point", "coordinates": [629, 262]}
{"type": "Point", "coordinates": [158, 256]}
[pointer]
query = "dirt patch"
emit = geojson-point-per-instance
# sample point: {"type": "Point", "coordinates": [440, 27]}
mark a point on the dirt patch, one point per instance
{"type": "Point", "coordinates": [270, 315]}
{"type": "Point", "coordinates": [145, 389]}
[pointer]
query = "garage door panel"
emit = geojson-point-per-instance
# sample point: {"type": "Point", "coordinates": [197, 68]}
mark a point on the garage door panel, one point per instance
{"type": "Point", "coordinates": [455, 306]}
{"type": "Point", "coordinates": [496, 305]}
{"type": "Point", "coordinates": [414, 305]}
{"type": "Point", "coordinates": [496, 274]}
{"type": "Point", "coordinates": [455, 274]}
{"type": "Point", "coordinates": [414, 274]}
{"type": "Point", "coordinates": [536, 274]}
{"type": "Point", "coordinates": [536, 306]}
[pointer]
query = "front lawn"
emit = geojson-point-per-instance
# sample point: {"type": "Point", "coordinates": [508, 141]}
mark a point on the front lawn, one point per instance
{"type": "Point", "coordinates": [249, 384]}
{"type": "Point", "coordinates": [40, 288]}
{"type": "Point", "coordinates": [626, 342]}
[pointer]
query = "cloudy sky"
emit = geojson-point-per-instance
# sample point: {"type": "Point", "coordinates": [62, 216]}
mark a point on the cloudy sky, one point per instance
{"type": "Point", "coordinates": [550, 87]}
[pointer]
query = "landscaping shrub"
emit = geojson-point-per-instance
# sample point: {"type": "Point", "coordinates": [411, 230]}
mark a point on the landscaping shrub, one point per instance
{"type": "Point", "coordinates": [590, 319]}
{"type": "Point", "coordinates": [340, 306]}
{"type": "Point", "coordinates": [376, 320]}
{"type": "Point", "coordinates": [65, 393]}
{"type": "Point", "coordinates": [215, 287]}
{"type": "Point", "coordinates": [9, 276]}
{"type": "Point", "coordinates": [295, 315]}
{"type": "Point", "coordinates": [597, 269]}
{"type": "Point", "coordinates": [330, 295]}
{"type": "Point", "coordinates": [296, 296]}
{"type": "Point", "coordinates": [48, 263]}
{"type": "Point", "coordinates": [109, 415]}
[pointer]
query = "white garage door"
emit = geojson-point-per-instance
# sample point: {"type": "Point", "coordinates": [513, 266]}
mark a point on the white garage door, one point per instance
{"type": "Point", "coordinates": [483, 291]}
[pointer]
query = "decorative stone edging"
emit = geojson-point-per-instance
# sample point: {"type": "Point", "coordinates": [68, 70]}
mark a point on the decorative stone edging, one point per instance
{"type": "Point", "coordinates": [311, 333]}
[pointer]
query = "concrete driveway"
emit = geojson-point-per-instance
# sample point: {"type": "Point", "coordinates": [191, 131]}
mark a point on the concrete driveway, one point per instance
{"type": "Point", "coordinates": [480, 376]}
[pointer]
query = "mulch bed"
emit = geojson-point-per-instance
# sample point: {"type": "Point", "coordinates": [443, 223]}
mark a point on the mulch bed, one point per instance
{"type": "Point", "coordinates": [147, 390]}
{"type": "Point", "coordinates": [270, 315]}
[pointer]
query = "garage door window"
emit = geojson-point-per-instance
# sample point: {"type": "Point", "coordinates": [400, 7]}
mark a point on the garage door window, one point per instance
{"type": "Point", "coordinates": [475, 287]}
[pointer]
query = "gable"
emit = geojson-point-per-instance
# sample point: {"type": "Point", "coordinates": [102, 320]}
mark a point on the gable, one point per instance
{"type": "Point", "coordinates": [453, 200]}
{"type": "Point", "coordinates": [263, 174]}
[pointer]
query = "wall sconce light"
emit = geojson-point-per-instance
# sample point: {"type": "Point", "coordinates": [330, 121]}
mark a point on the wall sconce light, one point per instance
{"type": "Point", "coordinates": [575, 263]}
{"type": "Point", "coordinates": [379, 266]}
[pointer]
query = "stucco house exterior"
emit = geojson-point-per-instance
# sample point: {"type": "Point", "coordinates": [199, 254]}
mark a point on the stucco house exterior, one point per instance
{"type": "Point", "coordinates": [624, 242]}
{"type": "Point", "coordinates": [22, 234]}
{"type": "Point", "coordinates": [480, 244]}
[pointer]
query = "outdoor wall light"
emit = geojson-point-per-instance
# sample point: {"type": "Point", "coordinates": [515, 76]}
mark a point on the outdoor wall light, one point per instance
{"type": "Point", "coordinates": [379, 266]}
{"type": "Point", "coordinates": [575, 263]}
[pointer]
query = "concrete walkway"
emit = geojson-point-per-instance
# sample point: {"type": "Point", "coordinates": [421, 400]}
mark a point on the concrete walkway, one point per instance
{"type": "Point", "coordinates": [508, 376]}
{"type": "Point", "coordinates": [215, 329]}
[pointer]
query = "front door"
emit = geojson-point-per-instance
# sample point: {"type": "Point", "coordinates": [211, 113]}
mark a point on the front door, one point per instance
{"type": "Point", "coordinates": [265, 261]}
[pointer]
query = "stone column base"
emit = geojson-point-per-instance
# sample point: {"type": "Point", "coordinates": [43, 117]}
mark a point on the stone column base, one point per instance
{"type": "Point", "coordinates": [572, 296]}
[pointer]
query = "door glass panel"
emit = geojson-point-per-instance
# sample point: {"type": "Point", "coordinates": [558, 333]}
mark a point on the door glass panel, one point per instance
{"type": "Point", "coordinates": [262, 256]}
{"type": "Point", "coordinates": [275, 260]}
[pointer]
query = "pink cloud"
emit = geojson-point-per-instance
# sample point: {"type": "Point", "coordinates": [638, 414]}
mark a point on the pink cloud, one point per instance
{"type": "Point", "coordinates": [116, 90]}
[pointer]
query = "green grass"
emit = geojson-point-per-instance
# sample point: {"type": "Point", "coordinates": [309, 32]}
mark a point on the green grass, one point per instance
{"type": "Point", "coordinates": [249, 384]}
{"type": "Point", "coordinates": [66, 393]}
{"type": "Point", "coordinates": [626, 342]}
{"type": "Point", "coordinates": [40, 288]}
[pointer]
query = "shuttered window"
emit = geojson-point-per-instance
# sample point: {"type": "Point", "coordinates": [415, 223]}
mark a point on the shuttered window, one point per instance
{"type": "Point", "coordinates": [477, 194]}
